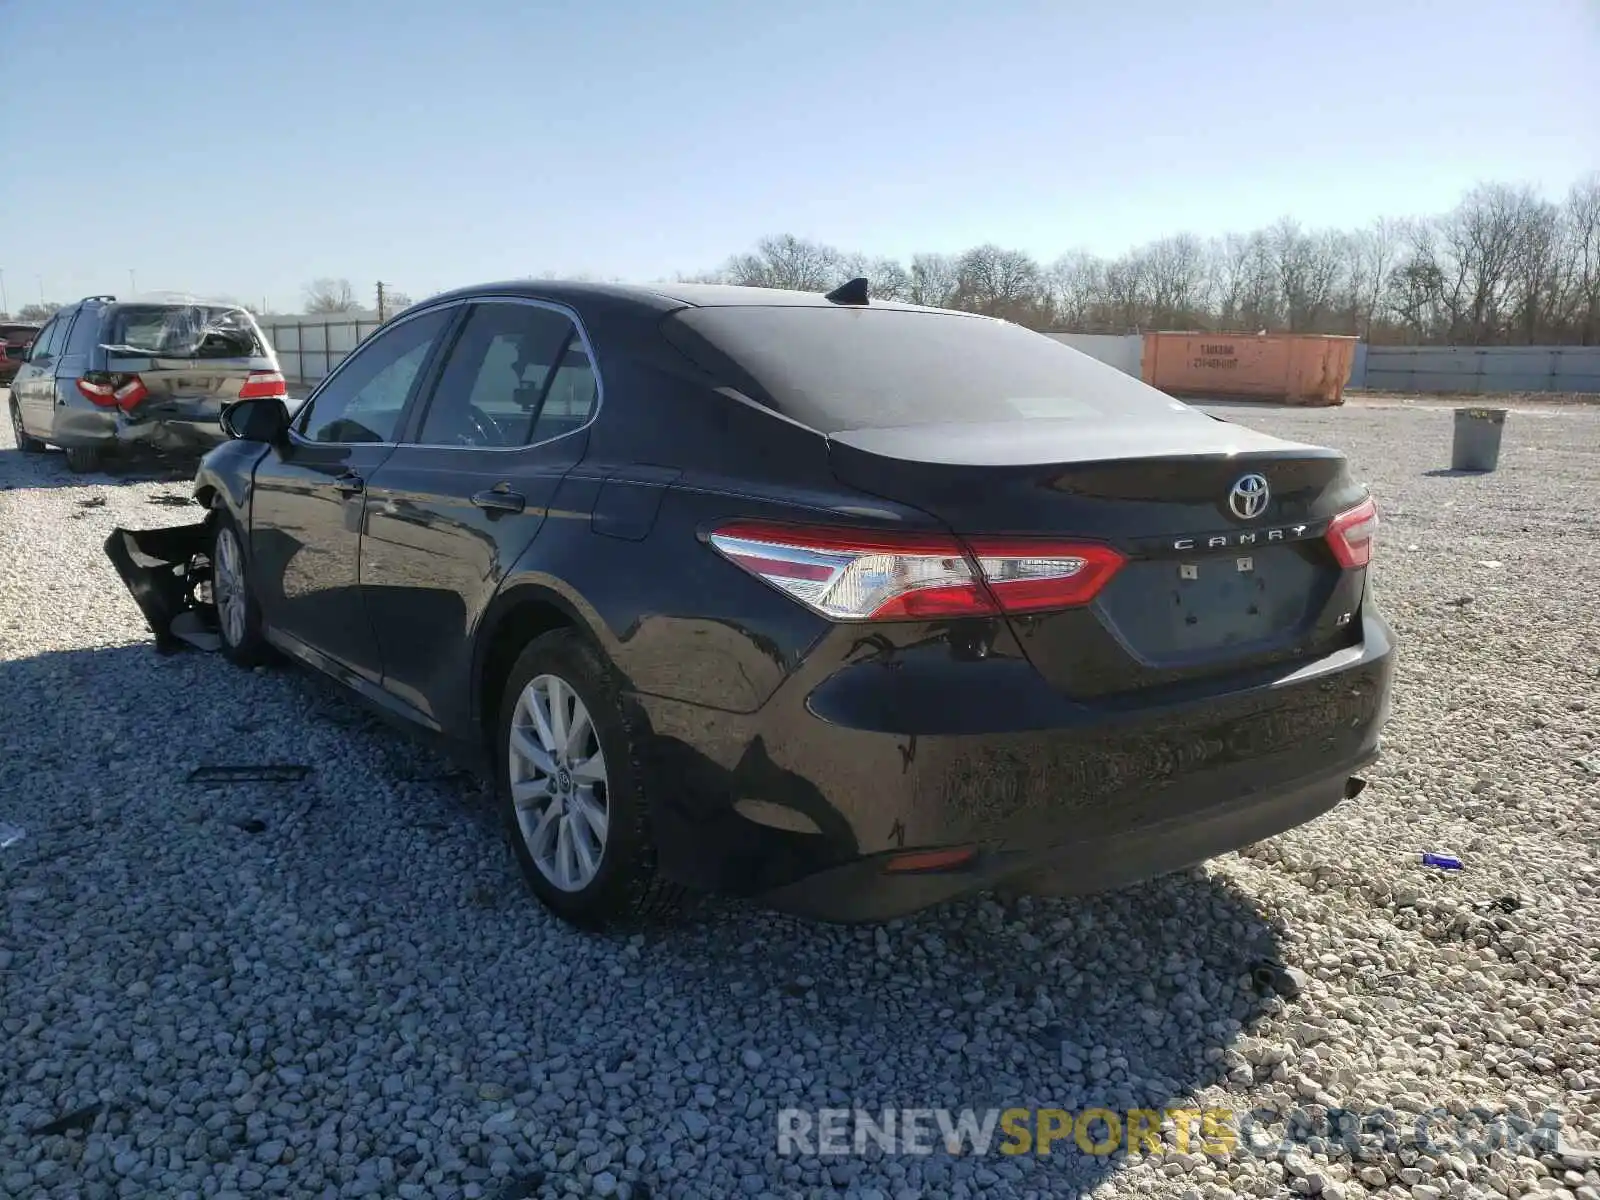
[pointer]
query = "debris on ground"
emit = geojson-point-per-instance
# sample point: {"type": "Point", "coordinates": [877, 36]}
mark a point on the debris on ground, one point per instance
{"type": "Point", "coordinates": [10, 834]}
{"type": "Point", "coordinates": [1270, 975]}
{"type": "Point", "coordinates": [1445, 862]}
{"type": "Point", "coordinates": [250, 773]}
{"type": "Point", "coordinates": [79, 1120]}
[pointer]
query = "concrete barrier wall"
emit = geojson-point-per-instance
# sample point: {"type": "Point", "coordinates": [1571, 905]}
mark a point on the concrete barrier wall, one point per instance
{"type": "Point", "coordinates": [1118, 350]}
{"type": "Point", "coordinates": [1477, 370]}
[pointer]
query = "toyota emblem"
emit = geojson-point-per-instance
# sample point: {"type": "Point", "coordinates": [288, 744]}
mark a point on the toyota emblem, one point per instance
{"type": "Point", "coordinates": [1249, 497]}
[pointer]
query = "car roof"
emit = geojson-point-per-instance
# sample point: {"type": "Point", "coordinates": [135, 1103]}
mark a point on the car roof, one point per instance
{"type": "Point", "coordinates": [663, 297]}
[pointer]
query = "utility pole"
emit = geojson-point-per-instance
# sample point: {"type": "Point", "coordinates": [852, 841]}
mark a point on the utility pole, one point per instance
{"type": "Point", "coordinates": [5, 305]}
{"type": "Point", "coordinates": [381, 286]}
{"type": "Point", "coordinates": [133, 286]}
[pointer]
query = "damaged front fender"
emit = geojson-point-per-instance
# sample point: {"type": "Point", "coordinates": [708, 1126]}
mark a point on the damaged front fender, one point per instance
{"type": "Point", "coordinates": [168, 573]}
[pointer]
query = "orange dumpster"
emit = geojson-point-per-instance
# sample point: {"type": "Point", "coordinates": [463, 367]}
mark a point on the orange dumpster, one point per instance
{"type": "Point", "coordinates": [1300, 368]}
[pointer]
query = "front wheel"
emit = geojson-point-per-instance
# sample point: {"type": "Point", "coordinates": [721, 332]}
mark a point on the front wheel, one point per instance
{"type": "Point", "coordinates": [571, 787]}
{"type": "Point", "coordinates": [238, 617]}
{"type": "Point", "coordinates": [25, 443]}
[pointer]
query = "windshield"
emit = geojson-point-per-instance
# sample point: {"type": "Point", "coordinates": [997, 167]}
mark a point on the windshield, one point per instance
{"type": "Point", "coordinates": [848, 368]}
{"type": "Point", "coordinates": [184, 331]}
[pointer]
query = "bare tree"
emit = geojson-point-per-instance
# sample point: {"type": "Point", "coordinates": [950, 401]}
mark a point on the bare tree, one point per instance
{"type": "Point", "coordinates": [1076, 283]}
{"type": "Point", "coordinates": [1581, 222]}
{"type": "Point", "coordinates": [38, 313]}
{"type": "Point", "coordinates": [330, 296]}
{"type": "Point", "coordinates": [934, 280]}
{"type": "Point", "coordinates": [1372, 254]}
{"type": "Point", "coordinates": [1174, 275]}
{"type": "Point", "coordinates": [886, 278]}
{"type": "Point", "coordinates": [1503, 265]}
{"type": "Point", "coordinates": [1002, 283]}
{"type": "Point", "coordinates": [786, 261]}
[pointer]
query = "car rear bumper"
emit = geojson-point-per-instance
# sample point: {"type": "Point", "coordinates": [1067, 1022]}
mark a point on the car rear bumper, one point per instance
{"type": "Point", "coordinates": [102, 428]}
{"type": "Point", "coordinates": [1185, 831]}
{"type": "Point", "coordinates": [801, 807]}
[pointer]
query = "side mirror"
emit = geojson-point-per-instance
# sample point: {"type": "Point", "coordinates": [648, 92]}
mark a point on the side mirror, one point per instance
{"type": "Point", "coordinates": [265, 419]}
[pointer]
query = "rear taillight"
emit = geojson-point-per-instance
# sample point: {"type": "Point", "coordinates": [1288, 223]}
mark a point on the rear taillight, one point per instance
{"type": "Point", "coordinates": [112, 389]}
{"type": "Point", "coordinates": [853, 575]}
{"type": "Point", "coordinates": [1350, 534]}
{"type": "Point", "coordinates": [263, 384]}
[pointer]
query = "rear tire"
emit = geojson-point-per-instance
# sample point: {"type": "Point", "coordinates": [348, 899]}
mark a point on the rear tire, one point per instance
{"type": "Point", "coordinates": [238, 615]}
{"type": "Point", "coordinates": [576, 807]}
{"type": "Point", "coordinates": [25, 442]}
{"type": "Point", "coordinates": [84, 459]}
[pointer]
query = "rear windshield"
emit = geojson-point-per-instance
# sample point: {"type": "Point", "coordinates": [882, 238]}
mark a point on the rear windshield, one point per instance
{"type": "Point", "coordinates": [183, 331]}
{"type": "Point", "coordinates": [18, 335]}
{"type": "Point", "coordinates": [836, 369]}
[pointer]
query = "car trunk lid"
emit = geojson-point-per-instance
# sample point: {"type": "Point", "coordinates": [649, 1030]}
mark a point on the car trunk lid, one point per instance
{"type": "Point", "coordinates": [1205, 589]}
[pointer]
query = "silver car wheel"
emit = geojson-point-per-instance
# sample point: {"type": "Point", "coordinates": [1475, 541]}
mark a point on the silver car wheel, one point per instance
{"type": "Point", "coordinates": [558, 783]}
{"type": "Point", "coordinates": [227, 586]}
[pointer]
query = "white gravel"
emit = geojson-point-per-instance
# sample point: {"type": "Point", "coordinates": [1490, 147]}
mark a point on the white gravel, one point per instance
{"type": "Point", "coordinates": [360, 1000]}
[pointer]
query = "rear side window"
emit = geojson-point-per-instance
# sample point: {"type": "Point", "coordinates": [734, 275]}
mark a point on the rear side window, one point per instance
{"type": "Point", "coordinates": [518, 374]}
{"type": "Point", "coordinates": [45, 345]}
{"type": "Point", "coordinates": [837, 369]}
{"type": "Point", "coordinates": [183, 331]}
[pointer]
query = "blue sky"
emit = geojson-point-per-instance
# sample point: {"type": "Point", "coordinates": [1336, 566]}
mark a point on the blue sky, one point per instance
{"type": "Point", "coordinates": [246, 149]}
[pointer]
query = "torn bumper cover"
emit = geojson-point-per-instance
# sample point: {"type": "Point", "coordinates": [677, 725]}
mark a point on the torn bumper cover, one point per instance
{"type": "Point", "coordinates": [168, 573]}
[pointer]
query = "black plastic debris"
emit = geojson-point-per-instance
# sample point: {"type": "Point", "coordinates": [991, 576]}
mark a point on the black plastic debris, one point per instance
{"type": "Point", "coordinates": [162, 569]}
{"type": "Point", "coordinates": [193, 628]}
{"type": "Point", "coordinates": [171, 500]}
{"type": "Point", "coordinates": [1270, 975]}
{"type": "Point", "coordinates": [250, 773]}
{"type": "Point", "coordinates": [1459, 602]}
{"type": "Point", "coordinates": [1505, 904]}
{"type": "Point", "coordinates": [251, 825]}
{"type": "Point", "coordinates": [93, 502]}
{"type": "Point", "coordinates": [80, 1119]}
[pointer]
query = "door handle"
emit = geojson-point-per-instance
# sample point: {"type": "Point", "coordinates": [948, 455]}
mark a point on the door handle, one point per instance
{"type": "Point", "coordinates": [350, 484]}
{"type": "Point", "coordinates": [495, 500]}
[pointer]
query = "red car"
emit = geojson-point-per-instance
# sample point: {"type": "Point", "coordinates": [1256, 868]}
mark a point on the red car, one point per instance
{"type": "Point", "coordinates": [14, 342]}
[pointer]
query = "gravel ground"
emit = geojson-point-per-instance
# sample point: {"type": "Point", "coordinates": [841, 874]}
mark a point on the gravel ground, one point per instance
{"type": "Point", "coordinates": [338, 988]}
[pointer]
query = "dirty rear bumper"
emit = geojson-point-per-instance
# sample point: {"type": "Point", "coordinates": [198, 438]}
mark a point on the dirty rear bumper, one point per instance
{"type": "Point", "coordinates": [1189, 834]}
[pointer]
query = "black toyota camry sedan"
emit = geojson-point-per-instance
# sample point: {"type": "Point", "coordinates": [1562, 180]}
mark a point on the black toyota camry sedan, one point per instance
{"type": "Point", "coordinates": [845, 605]}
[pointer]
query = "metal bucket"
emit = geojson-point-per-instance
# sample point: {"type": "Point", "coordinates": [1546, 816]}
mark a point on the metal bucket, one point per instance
{"type": "Point", "coordinates": [1477, 440]}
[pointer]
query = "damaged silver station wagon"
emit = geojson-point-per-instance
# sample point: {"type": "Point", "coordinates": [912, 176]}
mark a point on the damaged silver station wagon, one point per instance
{"type": "Point", "coordinates": [102, 375]}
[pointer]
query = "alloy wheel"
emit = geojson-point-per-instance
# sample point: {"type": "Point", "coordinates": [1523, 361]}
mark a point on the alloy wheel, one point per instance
{"type": "Point", "coordinates": [227, 586]}
{"type": "Point", "coordinates": [558, 783]}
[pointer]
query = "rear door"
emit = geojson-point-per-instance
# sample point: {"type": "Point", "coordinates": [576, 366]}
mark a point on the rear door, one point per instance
{"type": "Point", "coordinates": [308, 498]}
{"type": "Point", "coordinates": [468, 489]}
{"type": "Point", "coordinates": [34, 385]}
